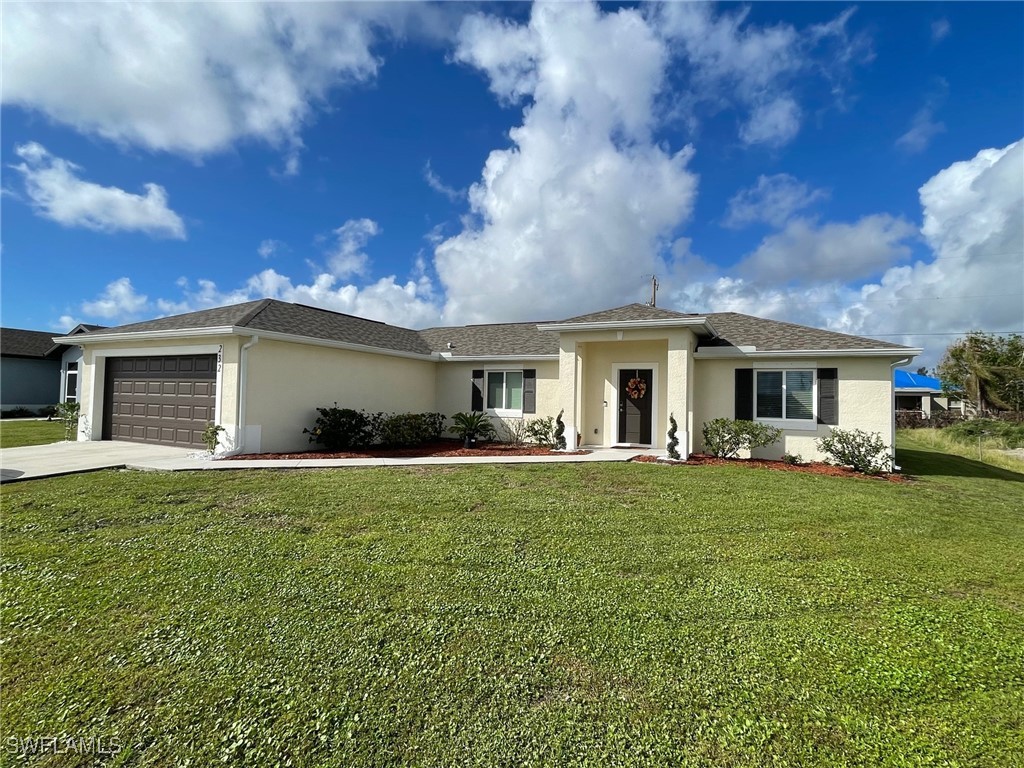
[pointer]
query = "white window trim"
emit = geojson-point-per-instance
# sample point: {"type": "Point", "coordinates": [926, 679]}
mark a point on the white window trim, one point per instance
{"type": "Point", "coordinates": [68, 373]}
{"type": "Point", "coordinates": [807, 425]}
{"type": "Point", "coordinates": [507, 413]}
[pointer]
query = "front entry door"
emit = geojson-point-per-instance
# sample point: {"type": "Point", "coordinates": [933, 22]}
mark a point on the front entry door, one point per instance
{"type": "Point", "coordinates": [635, 396]}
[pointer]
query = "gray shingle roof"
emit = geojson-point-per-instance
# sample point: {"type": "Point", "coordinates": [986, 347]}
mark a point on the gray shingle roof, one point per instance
{"type": "Point", "coordinates": [297, 319]}
{"type": "Point", "coordinates": [17, 342]}
{"type": "Point", "coordinates": [739, 330]}
{"type": "Point", "coordinates": [316, 323]}
{"type": "Point", "coordinates": [626, 314]}
{"type": "Point", "coordinates": [499, 340]}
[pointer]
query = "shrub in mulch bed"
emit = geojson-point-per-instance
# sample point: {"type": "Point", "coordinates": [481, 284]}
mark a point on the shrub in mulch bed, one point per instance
{"type": "Point", "coordinates": [813, 468]}
{"type": "Point", "coordinates": [449, 448]}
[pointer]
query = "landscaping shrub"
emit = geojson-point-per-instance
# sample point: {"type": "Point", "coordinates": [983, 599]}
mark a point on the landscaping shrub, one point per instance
{"type": "Point", "coordinates": [1011, 434]}
{"type": "Point", "coordinates": [541, 430]}
{"type": "Point", "coordinates": [339, 429]}
{"type": "Point", "coordinates": [68, 414]}
{"type": "Point", "coordinates": [863, 451]}
{"type": "Point", "coordinates": [17, 413]}
{"type": "Point", "coordinates": [513, 431]}
{"type": "Point", "coordinates": [405, 429]}
{"type": "Point", "coordinates": [475, 425]}
{"type": "Point", "coordinates": [47, 411]}
{"type": "Point", "coordinates": [727, 437]}
{"type": "Point", "coordinates": [793, 459]}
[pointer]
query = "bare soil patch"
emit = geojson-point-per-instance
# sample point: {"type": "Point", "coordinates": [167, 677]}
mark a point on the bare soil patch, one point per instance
{"type": "Point", "coordinates": [452, 448]}
{"type": "Point", "coordinates": [812, 467]}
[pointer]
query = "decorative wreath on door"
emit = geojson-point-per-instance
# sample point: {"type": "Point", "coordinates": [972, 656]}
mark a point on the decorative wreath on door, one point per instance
{"type": "Point", "coordinates": [636, 389]}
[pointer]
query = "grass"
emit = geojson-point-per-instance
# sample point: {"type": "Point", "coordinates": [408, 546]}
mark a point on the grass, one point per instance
{"type": "Point", "coordinates": [940, 441]}
{"type": "Point", "coordinates": [14, 434]}
{"type": "Point", "coordinates": [569, 615]}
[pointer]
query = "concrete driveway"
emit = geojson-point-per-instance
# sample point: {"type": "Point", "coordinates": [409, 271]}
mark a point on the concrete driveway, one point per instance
{"type": "Point", "coordinates": [34, 461]}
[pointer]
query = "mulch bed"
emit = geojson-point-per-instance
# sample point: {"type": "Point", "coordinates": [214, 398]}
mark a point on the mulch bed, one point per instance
{"type": "Point", "coordinates": [813, 468]}
{"type": "Point", "coordinates": [439, 448]}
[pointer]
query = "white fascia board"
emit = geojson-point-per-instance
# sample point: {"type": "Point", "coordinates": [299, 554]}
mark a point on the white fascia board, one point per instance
{"type": "Point", "coordinates": [625, 325]}
{"type": "Point", "coordinates": [742, 352]}
{"type": "Point", "coordinates": [233, 330]}
{"type": "Point", "coordinates": [495, 358]}
{"type": "Point", "coordinates": [82, 340]}
{"type": "Point", "coordinates": [332, 344]}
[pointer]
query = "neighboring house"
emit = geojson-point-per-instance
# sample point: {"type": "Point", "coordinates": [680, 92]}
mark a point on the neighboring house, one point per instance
{"type": "Point", "coordinates": [29, 369]}
{"type": "Point", "coordinates": [261, 368]}
{"type": "Point", "coordinates": [36, 372]}
{"type": "Point", "coordinates": [922, 394]}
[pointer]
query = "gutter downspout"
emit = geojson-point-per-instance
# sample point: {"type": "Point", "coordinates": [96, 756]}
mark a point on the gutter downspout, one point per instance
{"type": "Point", "coordinates": [243, 376]}
{"type": "Point", "coordinates": [892, 385]}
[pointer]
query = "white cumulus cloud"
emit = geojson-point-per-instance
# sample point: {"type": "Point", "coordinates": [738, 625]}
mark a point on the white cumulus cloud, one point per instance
{"type": "Point", "coordinates": [973, 224]}
{"type": "Point", "coordinates": [194, 78]}
{"type": "Point", "coordinates": [347, 257]}
{"type": "Point", "coordinates": [755, 69]}
{"type": "Point", "coordinates": [119, 301]}
{"type": "Point", "coordinates": [579, 207]}
{"type": "Point", "coordinates": [57, 192]}
{"type": "Point", "coordinates": [772, 200]}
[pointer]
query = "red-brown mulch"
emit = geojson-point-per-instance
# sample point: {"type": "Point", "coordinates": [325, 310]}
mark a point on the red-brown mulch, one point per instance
{"type": "Point", "coordinates": [813, 468]}
{"type": "Point", "coordinates": [437, 448]}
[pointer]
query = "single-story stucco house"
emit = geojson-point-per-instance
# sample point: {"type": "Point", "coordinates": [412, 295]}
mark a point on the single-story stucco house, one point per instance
{"type": "Point", "coordinates": [261, 368]}
{"type": "Point", "coordinates": [35, 371]}
{"type": "Point", "coordinates": [923, 395]}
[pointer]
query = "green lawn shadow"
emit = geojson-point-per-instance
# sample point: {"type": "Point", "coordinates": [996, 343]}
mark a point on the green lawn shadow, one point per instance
{"type": "Point", "coordinates": [923, 463]}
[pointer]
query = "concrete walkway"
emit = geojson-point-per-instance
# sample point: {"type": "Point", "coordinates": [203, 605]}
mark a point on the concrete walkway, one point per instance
{"type": "Point", "coordinates": [35, 461]}
{"type": "Point", "coordinates": [178, 464]}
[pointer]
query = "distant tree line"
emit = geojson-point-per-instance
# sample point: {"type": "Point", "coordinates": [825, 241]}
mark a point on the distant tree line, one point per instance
{"type": "Point", "coordinates": [986, 371]}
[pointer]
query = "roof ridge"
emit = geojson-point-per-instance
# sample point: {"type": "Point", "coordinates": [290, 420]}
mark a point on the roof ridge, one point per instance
{"type": "Point", "coordinates": [249, 316]}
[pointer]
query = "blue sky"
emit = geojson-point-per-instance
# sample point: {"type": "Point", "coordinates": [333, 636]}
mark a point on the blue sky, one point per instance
{"type": "Point", "coordinates": [859, 168]}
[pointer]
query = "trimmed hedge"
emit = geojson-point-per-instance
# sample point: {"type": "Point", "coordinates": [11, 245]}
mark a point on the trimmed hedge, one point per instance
{"type": "Point", "coordinates": [340, 429]}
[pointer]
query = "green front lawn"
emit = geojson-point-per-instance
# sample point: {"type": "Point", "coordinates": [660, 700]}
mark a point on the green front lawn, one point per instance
{"type": "Point", "coordinates": [559, 615]}
{"type": "Point", "coordinates": [14, 434]}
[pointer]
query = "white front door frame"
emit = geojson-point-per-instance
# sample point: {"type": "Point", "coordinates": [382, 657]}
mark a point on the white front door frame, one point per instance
{"type": "Point", "coordinates": [613, 437]}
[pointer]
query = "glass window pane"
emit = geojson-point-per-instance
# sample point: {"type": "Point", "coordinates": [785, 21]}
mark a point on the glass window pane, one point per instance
{"type": "Point", "coordinates": [495, 389]}
{"type": "Point", "coordinates": [799, 395]}
{"type": "Point", "coordinates": [514, 390]}
{"type": "Point", "coordinates": [72, 386]}
{"type": "Point", "coordinates": [769, 394]}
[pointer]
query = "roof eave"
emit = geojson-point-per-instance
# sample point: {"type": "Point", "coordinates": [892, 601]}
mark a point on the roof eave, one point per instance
{"type": "Point", "coordinates": [334, 344]}
{"type": "Point", "coordinates": [622, 325]}
{"type": "Point", "coordinates": [105, 338]}
{"type": "Point", "coordinates": [494, 358]}
{"type": "Point", "coordinates": [712, 353]}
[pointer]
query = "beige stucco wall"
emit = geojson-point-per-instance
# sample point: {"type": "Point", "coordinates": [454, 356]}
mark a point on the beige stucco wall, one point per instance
{"type": "Point", "coordinates": [91, 377]}
{"type": "Point", "coordinates": [288, 381]}
{"type": "Point", "coordinates": [596, 357]}
{"type": "Point", "coordinates": [865, 400]}
{"type": "Point", "coordinates": [455, 385]}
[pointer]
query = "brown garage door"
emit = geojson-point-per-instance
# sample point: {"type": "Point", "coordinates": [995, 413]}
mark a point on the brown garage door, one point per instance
{"type": "Point", "coordinates": [167, 400]}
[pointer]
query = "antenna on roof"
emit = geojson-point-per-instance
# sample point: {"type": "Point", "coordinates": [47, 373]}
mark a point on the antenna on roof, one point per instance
{"type": "Point", "coordinates": [654, 292]}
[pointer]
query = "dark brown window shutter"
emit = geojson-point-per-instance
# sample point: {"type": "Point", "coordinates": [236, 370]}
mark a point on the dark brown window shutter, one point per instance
{"type": "Point", "coordinates": [478, 390]}
{"type": "Point", "coordinates": [745, 394]}
{"type": "Point", "coordinates": [828, 396]}
{"type": "Point", "coordinates": [529, 390]}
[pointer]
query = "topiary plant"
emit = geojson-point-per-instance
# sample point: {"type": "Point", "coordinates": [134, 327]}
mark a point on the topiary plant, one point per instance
{"type": "Point", "coordinates": [673, 441]}
{"type": "Point", "coordinates": [559, 431]}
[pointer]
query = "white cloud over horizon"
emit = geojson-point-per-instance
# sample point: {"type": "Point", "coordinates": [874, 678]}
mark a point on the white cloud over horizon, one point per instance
{"type": "Point", "coordinates": [197, 78]}
{"type": "Point", "coordinates": [56, 192]}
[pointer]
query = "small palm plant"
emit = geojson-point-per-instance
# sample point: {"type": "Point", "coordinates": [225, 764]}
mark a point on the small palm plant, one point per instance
{"type": "Point", "coordinates": [472, 427]}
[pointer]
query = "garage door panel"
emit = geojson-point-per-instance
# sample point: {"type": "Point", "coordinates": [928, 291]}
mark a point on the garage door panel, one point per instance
{"type": "Point", "coordinates": [167, 400]}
